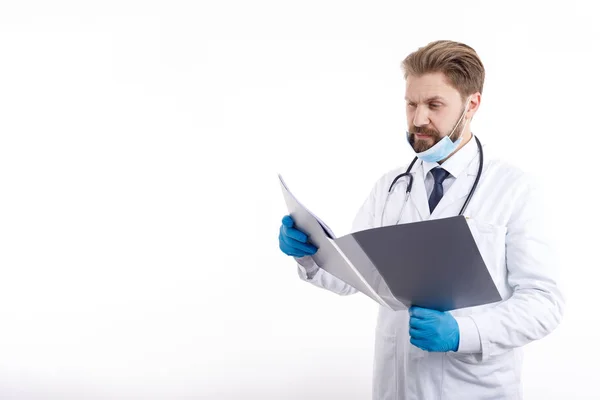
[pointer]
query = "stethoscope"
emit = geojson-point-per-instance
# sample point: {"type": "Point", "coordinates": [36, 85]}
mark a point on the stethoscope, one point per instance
{"type": "Point", "coordinates": [410, 183]}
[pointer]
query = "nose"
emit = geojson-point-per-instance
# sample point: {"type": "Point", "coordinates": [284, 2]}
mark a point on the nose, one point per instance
{"type": "Point", "coordinates": [421, 117]}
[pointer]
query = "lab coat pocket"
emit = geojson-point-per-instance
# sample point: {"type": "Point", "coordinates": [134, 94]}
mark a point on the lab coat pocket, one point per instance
{"type": "Point", "coordinates": [503, 363]}
{"type": "Point", "coordinates": [496, 372]}
{"type": "Point", "coordinates": [466, 358]}
{"type": "Point", "coordinates": [480, 228]}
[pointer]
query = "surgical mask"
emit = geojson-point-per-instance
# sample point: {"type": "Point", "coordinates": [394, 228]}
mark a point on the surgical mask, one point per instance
{"type": "Point", "coordinates": [444, 147]}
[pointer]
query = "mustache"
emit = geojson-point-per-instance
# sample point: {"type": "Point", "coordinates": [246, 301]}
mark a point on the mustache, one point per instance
{"type": "Point", "coordinates": [423, 131]}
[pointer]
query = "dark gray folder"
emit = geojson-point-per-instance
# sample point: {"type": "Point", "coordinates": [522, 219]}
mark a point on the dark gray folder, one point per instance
{"type": "Point", "coordinates": [434, 264]}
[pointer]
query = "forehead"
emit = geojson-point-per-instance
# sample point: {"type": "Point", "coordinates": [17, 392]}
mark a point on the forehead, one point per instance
{"type": "Point", "coordinates": [428, 86]}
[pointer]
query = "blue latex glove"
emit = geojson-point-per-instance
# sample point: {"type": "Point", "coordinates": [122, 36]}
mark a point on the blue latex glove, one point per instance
{"type": "Point", "coordinates": [433, 330]}
{"type": "Point", "coordinates": [292, 241]}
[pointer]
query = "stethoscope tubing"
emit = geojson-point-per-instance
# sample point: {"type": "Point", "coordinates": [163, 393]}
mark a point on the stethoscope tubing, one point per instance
{"type": "Point", "coordinates": [410, 183]}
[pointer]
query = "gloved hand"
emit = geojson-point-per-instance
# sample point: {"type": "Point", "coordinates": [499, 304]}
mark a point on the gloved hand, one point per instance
{"type": "Point", "coordinates": [433, 330]}
{"type": "Point", "coordinates": [292, 241]}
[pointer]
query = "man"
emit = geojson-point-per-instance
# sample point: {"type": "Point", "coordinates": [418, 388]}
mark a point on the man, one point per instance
{"type": "Point", "coordinates": [475, 352]}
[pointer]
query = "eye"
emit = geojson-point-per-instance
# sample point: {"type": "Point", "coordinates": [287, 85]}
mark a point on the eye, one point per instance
{"type": "Point", "coordinates": [435, 105]}
{"type": "Point", "coordinates": [410, 104]}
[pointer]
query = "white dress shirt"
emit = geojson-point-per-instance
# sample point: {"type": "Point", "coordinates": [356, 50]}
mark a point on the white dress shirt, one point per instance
{"type": "Point", "coordinates": [454, 165]}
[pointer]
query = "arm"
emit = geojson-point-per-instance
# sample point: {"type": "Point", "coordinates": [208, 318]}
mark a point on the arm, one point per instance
{"type": "Point", "coordinates": [309, 271]}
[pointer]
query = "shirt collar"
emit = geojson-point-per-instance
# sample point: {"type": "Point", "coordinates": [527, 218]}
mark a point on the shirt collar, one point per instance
{"type": "Point", "coordinates": [456, 164]}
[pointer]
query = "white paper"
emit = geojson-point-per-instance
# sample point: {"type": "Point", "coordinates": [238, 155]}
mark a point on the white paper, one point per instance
{"type": "Point", "coordinates": [326, 228]}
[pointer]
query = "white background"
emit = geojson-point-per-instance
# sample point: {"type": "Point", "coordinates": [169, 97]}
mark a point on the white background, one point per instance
{"type": "Point", "coordinates": [139, 206]}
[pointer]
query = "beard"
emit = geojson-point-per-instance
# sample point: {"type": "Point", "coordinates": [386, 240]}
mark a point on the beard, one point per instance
{"type": "Point", "coordinates": [420, 145]}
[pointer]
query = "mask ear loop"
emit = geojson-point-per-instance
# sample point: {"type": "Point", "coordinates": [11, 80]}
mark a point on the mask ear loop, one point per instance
{"type": "Point", "coordinates": [460, 119]}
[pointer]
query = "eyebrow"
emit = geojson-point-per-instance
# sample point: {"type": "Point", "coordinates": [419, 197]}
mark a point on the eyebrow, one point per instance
{"type": "Point", "coordinates": [434, 98]}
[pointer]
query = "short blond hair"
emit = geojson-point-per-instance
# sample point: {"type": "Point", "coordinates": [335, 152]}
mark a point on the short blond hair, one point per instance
{"type": "Point", "coordinates": [458, 62]}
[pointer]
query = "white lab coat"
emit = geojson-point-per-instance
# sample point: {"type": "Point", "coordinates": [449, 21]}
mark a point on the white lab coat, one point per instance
{"type": "Point", "coordinates": [507, 221]}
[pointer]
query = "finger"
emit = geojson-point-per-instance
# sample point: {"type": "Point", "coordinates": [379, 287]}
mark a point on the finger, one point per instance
{"type": "Point", "coordinates": [289, 250]}
{"type": "Point", "coordinates": [419, 343]}
{"type": "Point", "coordinates": [303, 247]}
{"type": "Point", "coordinates": [283, 246]}
{"type": "Point", "coordinates": [423, 313]}
{"type": "Point", "coordinates": [287, 221]}
{"type": "Point", "coordinates": [417, 334]}
{"type": "Point", "coordinates": [419, 324]}
{"type": "Point", "coordinates": [297, 253]}
{"type": "Point", "coordinates": [295, 234]}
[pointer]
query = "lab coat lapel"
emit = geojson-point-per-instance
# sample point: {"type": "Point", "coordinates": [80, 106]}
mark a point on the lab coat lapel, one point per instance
{"type": "Point", "coordinates": [459, 190]}
{"type": "Point", "coordinates": [419, 194]}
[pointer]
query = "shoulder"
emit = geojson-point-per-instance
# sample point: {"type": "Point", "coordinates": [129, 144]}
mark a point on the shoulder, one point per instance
{"type": "Point", "coordinates": [508, 177]}
{"type": "Point", "coordinates": [498, 167]}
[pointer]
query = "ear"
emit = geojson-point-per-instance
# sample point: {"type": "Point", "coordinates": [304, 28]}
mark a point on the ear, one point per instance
{"type": "Point", "coordinates": [473, 105]}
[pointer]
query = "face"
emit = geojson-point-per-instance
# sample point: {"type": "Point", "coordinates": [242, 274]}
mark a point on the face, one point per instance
{"type": "Point", "coordinates": [433, 108]}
